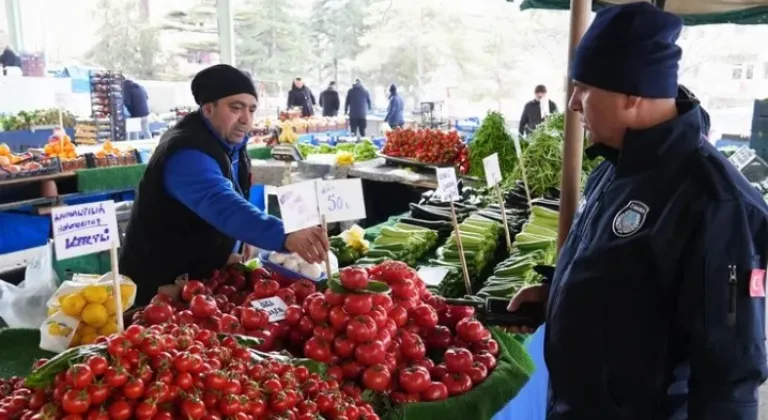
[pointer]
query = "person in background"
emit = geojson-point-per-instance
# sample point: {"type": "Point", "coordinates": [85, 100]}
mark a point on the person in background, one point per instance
{"type": "Point", "coordinates": [394, 116]}
{"type": "Point", "coordinates": [329, 100]}
{"type": "Point", "coordinates": [136, 101]}
{"type": "Point", "coordinates": [8, 58]}
{"type": "Point", "coordinates": [301, 97]}
{"type": "Point", "coordinates": [656, 309]}
{"type": "Point", "coordinates": [357, 105]}
{"type": "Point", "coordinates": [192, 214]}
{"type": "Point", "coordinates": [534, 113]}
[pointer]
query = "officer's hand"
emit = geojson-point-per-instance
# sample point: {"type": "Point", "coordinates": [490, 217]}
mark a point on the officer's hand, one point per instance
{"type": "Point", "coordinates": [538, 294]}
{"type": "Point", "coordinates": [310, 244]}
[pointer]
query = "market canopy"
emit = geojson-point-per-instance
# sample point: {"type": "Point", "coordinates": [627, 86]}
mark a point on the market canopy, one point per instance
{"type": "Point", "coordinates": [693, 12]}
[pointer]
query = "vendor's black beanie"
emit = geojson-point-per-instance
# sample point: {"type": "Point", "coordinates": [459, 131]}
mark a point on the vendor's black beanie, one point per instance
{"type": "Point", "coordinates": [630, 49]}
{"type": "Point", "coordinates": [220, 81]}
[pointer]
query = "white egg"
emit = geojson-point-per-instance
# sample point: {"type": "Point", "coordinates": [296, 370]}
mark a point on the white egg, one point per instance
{"type": "Point", "coordinates": [291, 264]}
{"type": "Point", "coordinates": [277, 258]}
{"type": "Point", "coordinates": [312, 271]}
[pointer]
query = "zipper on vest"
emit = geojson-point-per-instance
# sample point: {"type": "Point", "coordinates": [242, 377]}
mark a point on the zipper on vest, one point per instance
{"type": "Point", "coordinates": [732, 289]}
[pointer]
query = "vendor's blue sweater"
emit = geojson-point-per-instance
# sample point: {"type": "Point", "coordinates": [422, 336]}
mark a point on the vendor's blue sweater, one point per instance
{"type": "Point", "coordinates": [195, 179]}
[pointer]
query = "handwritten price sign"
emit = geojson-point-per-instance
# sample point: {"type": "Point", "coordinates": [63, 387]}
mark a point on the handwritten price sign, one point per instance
{"type": "Point", "coordinates": [298, 206]}
{"type": "Point", "coordinates": [447, 186]}
{"type": "Point", "coordinates": [84, 229]}
{"type": "Point", "coordinates": [274, 307]}
{"type": "Point", "coordinates": [341, 199]}
{"type": "Point", "coordinates": [492, 169]}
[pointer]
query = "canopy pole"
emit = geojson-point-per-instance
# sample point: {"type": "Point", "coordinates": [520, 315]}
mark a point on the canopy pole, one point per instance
{"type": "Point", "coordinates": [226, 25]}
{"type": "Point", "coordinates": [573, 149]}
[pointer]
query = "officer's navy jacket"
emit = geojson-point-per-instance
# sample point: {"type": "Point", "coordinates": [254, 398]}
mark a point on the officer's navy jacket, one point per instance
{"type": "Point", "coordinates": [652, 287]}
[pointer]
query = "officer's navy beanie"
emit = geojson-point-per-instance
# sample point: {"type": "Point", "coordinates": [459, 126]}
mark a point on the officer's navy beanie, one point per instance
{"type": "Point", "coordinates": [220, 81]}
{"type": "Point", "coordinates": [630, 49]}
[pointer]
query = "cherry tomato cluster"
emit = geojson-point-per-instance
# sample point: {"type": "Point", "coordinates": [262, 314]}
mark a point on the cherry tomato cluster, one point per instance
{"type": "Point", "coordinates": [167, 372]}
{"type": "Point", "coordinates": [7, 386]}
{"type": "Point", "coordinates": [381, 343]}
{"type": "Point", "coordinates": [428, 146]}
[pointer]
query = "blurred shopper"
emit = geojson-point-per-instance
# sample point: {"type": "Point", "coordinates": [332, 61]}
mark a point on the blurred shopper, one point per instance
{"type": "Point", "coordinates": [357, 105]}
{"type": "Point", "coordinates": [395, 108]}
{"type": "Point", "coordinates": [534, 113]}
{"type": "Point", "coordinates": [8, 58]}
{"type": "Point", "coordinates": [136, 101]}
{"type": "Point", "coordinates": [301, 97]}
{"type": "Point", "coordinates": [329, 100]}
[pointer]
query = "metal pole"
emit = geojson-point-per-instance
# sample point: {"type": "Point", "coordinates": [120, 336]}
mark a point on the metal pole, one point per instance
{"type": "Point", "coordinates": [15, 32]}
{"type": "Point", "coordinates": [570, 186]}
{"type": "Point", "coordinates": [226, 25]}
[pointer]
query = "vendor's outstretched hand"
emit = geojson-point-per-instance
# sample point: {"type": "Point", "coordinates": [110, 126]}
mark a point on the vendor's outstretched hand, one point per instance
{"type": "Point", "coordinates": [311, 244]}
{"type": "Point", "coordinates": [538, 294]}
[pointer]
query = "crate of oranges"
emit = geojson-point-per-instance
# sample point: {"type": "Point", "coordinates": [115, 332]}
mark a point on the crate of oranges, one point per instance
{"type": "Point", "coordinates": [82, 310]}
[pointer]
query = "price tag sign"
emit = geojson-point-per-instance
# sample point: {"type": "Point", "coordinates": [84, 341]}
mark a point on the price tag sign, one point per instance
{"type": "Point", "coordinates": [492, 169]}
{"type": "Point", "coordinates": [84, 229]}
{"type": "Point", "coordinates": [298, 206]}
{"type": "Point", "coordinates": [433, 276]}
{"type": "Point", "coordinates": [742, 157]}
{"type": "Point", "coordinates": [341, 199]}
{"type": "Point", "coordinates": [447, 186]}
{"type": "Point", "coordinates": [274, 307]}
{"type": "Point", "coordinates": [62, 99]}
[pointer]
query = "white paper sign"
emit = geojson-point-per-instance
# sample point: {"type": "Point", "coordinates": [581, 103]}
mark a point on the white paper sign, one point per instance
{"type": "Point", "coordinates": [492, 169]}
{"type": "Point", "coordinates": [62, 99]}
{"type": "Point", "coordinates": [341, 199]}
{"type": "Point", "coordinates": [447, 186]}
{"type": "Point", "coordinates": [84, 229]}
{"type": "Point", "coordinates": [298, 206]}
{"type": "Point", "coordinates": [433, 276]}
{"type": "Point", "coordinates": [273, 306]}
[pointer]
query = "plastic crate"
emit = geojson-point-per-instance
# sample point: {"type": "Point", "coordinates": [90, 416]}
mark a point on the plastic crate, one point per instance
{"type": "Point", "coordinates": [20, 231]}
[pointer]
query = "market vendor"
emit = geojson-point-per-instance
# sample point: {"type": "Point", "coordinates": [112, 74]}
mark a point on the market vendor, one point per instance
{"type": "Point", "coordinates": [192, 211]}
{"type": "Point", "coordinates": [656, 309]}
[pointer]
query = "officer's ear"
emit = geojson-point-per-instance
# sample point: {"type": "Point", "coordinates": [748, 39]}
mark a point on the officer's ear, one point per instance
{"type": "Point", "coordinates": [208, 108]}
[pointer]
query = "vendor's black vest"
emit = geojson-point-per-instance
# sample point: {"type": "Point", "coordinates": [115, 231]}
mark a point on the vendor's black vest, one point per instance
{"type": "Point", "coordinates": [165, 239]}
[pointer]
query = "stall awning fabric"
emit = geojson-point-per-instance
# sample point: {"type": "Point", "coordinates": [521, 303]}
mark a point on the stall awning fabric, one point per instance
{"type": "Point", "coordinates": [693, 12]}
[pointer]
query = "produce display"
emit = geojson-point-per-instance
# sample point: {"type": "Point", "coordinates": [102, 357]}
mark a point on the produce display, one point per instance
{"type": "Point", "coordinates": [479, 237]}
{"type": "Point", "coordinates": [401, 242]}
{"type": "Point", "coordinates": [428, 146]}
{"type": "Point", "coordinates": [60, 146]}
{"type": "Point", "coordinates": [14, 165]}
{"type": "Point", "coordinates": [26, 120]}
{"type": "Point", "coordinates": [350, 245]}
{"type": "Point", "coordinates": [543, 154]}
{"type": "Point", "coordinates": [360, 151]}
{"type": "Point", "coordinates": [295, 264]}
{"type": "Point", "coordinates": [492, 137]}
{"type": "Point", "coordinates": [294, 120]}
{"type": "Point", "coordinates": [82, 310]}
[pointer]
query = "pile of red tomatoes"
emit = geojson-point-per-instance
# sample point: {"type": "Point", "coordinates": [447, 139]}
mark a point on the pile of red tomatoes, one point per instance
{"type": "Point", "coordinates": [406, 343]}
{"type": "Point", "coordinates": [168, 372]}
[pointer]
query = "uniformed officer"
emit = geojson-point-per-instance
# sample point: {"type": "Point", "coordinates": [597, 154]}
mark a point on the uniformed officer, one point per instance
{"type": "Point", "coordinates": [661, 279]}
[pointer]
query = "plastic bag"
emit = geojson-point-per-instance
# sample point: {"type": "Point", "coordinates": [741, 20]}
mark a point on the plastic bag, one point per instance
{"type": "Point", "coordinates": [23, 306]}
{"type": "Point", "coordinates": [82, 310]}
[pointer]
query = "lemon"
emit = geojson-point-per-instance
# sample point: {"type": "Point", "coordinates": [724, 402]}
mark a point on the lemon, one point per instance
{"type": "Point", "coordinates": [76, 340]}
{"type": "Point", "coordinates": [109, 328]}
{"type": "Point", "coordinates": [52, 311]}
{"type": "Point", "coordinates": [110, 305]}
{"type": "Point", "coordinates": [88, 339]}
{"type": "Point", "coordinates": [94, 315]}
{"type": "Point", "coordinates": [54, 329]}
{"type": "Point", "coordinates": [127, 291]}
{"type": "Point", "coordinates": [73, 305]}
{"type": "Point", "coordinates": [84, 329]}
{"type": "Point", "coordinates": [62, 297]}
{"type": "Point", "coordinates": [95, 294]}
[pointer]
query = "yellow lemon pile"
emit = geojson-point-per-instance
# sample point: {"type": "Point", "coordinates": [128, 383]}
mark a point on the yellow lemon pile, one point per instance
{"type": "Point", "coordinates": [94, 306]}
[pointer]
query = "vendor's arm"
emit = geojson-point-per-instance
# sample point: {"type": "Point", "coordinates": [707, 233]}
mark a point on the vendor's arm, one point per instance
{"type": "Point", "coordinates": [726, 324]}
{"type": "Point", "coordinates": [195, 179]}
